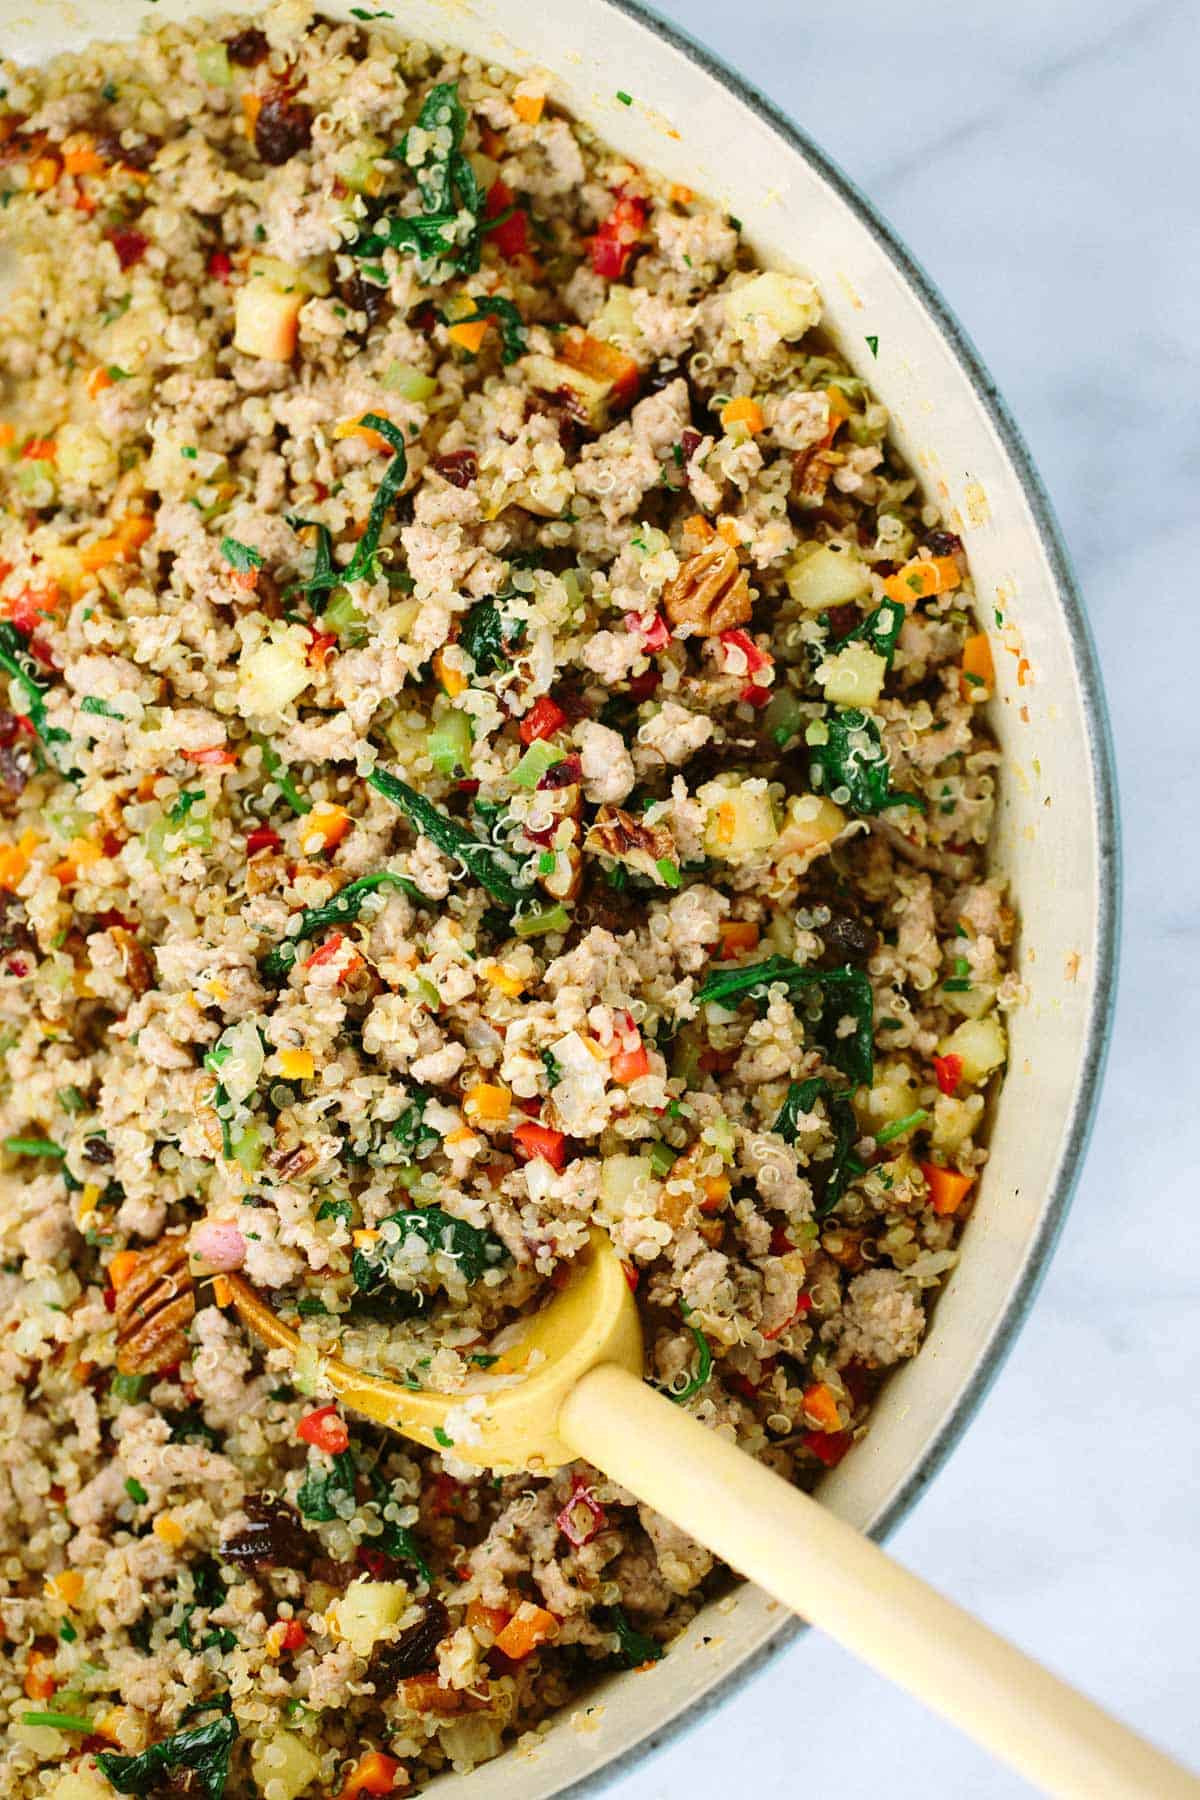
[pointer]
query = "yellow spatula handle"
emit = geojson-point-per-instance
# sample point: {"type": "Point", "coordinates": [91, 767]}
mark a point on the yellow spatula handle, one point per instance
{"type": "Point", "coordinates": [845, 1585]}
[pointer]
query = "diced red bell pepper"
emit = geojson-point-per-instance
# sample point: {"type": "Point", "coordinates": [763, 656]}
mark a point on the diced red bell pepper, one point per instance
{"type": "Point", "coordinates": [655, 636]}
{"type": "Point", "coordinates": [511, 237]}
{"type": "Point", "coordinates": [803, 1305]}
{"type": "Point", "coordinates": [130, 246]}
{"type": "Point", "coordinates": [641, 687]}
{"type": "Point", "coordinates": [533, 1140]}
{"type": "Point", "coordinates": [294, 1636]}
{"type": "Point", "coordinates": [543, 719]}
{"type": "Point", "coordinates": [630, 1065]}
{"type": "Point", "coordinates": [948, 1070]}
{"type": "Point", "coordinates": [325, 1429]}
{"type": "Point", "coordinates": [632, 1276]}
{"type": "Point", "coordinates": [618, 237]}
{"type": "Point", "coordinates": [376, 1562]}
{"type": "Point", "coordinates": [31, 608]}
{"type": "Point", "coordinates": [262, 838]}
{"type": "Point", "coordinates": [220, 265]}
{"type": "Point", "coordinates": [828, 1446]}
{"type": "Point", "coordinates": [328, 953]}
{"type": "Point", "coordinates": [756, 696]}
{"type": "Point", "coordinates": [218, 756]}
{"type": "Point", "coordinates": [756, 659]}
{"type": "Point", "coordinates": [582, 1518]}
{"type": "Point", "coordinates": [320, 645]}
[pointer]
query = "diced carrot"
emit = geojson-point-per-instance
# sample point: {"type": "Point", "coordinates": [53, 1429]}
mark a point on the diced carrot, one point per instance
{"type": "Point", "coordinates": [39, 1684]}
{"type": "Point", "coordinates": [745, 411]}
{"type": "Point", "coordinates": [828, 1447]}
{"type": "Point", "coordinates": [97, 381]}
{"type": "Point", "coordinates": [486, 1101]}
{"type": "Point", "coordinates": [978, 669]}
{"type": "Point", "coordinates": [44, 171]}
{"type": "Point", "coordinates": [8, 433]}
{"type": "Point", "coordinates": [251, 107]}
{"type": "Point", "coordinates": [67, 1586]}
{"type": "Point", "coordinates": [374, 1773]}
{"type": "Point", "coordinates": [222, 1293]}
{"type": "Point", "coordinates": [130, 534]}
{"type": "Point", "coordinates": [497, 975]}
{"type": "Point", "coordinates": [630, 1065]}
{"type": "Point", "coordinates": [324, 828]}
{"type": "Point", "coordinates": [169, 1531]}
{"type": "Point", "coordinates": [80, 156]}
{"type": "Point", "coordinates": [15, 860]}
{"type": "Point", "coordinates": [490, 1618]}
{"type": "Point", "coordinates": [529, 1626]}
{"type": "Point", "coordinates": [296, 1065]}
{"type": "Point", "coordinates": [820, 1407]}
{"type": "Point", "coordinates": [947, 1187]}
{"type": "Point", "coordinates": [469, 335]}
{"type": "Point", "coordinates": [121, 1268]}
{"type": "Point", "coordinates": [679, 195]}
{"type": "Point", "coordinates": [736, 935]}
{"type": "Point", "coordinates": [716, 1193]}
{"type": "Point", "coordinates": [529, 107]}
{"type": "Point", "coordinates": [354, 428]}
{"type": "Point", "coordinates": [593, 356]}
{"type": "Point", "coordinates": [39, 450]}
{"type": "Point", "coordinates": [918, 579]}
{"type": "Point", "coordinates": [453, 681]}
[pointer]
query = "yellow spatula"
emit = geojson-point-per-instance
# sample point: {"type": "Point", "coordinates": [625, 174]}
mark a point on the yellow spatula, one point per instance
{"type": "Point", "coordinates": [572, 1387]}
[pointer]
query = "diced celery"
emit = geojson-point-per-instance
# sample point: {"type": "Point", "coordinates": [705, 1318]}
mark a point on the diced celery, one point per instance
{"type": "Point", "coordinates": [357, 165]}
{"type": "Point", "coordinates": [539, 757]}
{"type": "Point", "coordinates": [551, 918]}
{"type": "Point", "coordinates": [212, 65]}
{"type": "Point", "coordinates": [408, 382]}
{"type": "Point", "coordinates": [247, 1147]}
{"type": "Point", "coordinates": [343, 617]}
{"type": "Point", "coordinates": [783, 718]}
{"type": "Point", "coordinates": [450, 744]}
{"type": "Point", "coordinates": [662, 1158]}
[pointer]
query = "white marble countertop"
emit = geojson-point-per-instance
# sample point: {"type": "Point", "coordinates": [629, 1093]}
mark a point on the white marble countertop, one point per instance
{"type": "Point", "coordinates": [1041, 162]}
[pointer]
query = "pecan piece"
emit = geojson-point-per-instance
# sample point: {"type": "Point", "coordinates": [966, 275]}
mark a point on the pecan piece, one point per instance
{"type": "Point", "coordinates": [154, 1307]}
{"type": "Point", "coordinates": [631, 841]}
{"type": "Point", "coordinates": [710, 593]}
{"type": "Point", "coordinates": [135, 960]}
{"type": "Point", "coordinates": [811, 470]}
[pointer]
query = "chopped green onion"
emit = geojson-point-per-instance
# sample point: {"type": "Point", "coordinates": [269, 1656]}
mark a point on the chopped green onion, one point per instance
{"type": "Point", "coordinates": [899, 1126]}
{"type": "Point", "coordinates": [22, 1146]}
{"type": "Point", "coordinates": [703, 1362]}
{"type": "Point", "coordinates": [57, 1721]}
{"type": "Point", "coordinates": [136, 1491]}
{"type": "Point", "coordinates": [552, 918]}
{"type": "Point", "coordinates": [668, 872]}
{"type": "Point", "coordinates": [662, 1158]}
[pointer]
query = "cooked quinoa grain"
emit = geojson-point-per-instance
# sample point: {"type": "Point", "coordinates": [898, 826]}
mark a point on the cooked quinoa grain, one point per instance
{"type": "Point", "coordinates": [490, 744]}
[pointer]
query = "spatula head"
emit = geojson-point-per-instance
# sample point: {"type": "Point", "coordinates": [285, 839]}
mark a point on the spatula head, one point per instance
{"type": "Point", "coordinates": [507, 1419]}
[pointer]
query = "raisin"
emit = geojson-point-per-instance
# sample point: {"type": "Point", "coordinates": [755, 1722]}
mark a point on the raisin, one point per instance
{"type": "Point", "coordinates": [16, 760]}
{"type": "Point", "coordinates": [247, 48]}
{"type": "Point", "coordinates": [847, 939]}
{"type": "Point", "coordinates": [459, 467]}
{"type": "Point", "coordinates": [97, 1150]}
{"type": "Point", "coordinates": [943, 543]}
{"type": "Point", "coordinates": [414, 1652]}
{"type": "Point", "coordinates": [274, 1536]}
{"type": "Point", "coordinates": [283, 127]}
{"type": "Point", "coordinates": [366, 297]}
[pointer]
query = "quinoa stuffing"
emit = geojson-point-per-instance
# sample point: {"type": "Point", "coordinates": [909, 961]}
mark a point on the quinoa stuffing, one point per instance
{"type": "Point", "coordinates": [492, 744]}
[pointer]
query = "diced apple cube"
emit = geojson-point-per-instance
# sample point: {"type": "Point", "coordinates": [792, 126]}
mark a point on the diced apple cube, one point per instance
{"type": "Point", "coordinates": [853, 676]}
{"type": "Point", "coordinates": [270, 677]}
{"type": "Point", "coordinates": [367, 1610]}
{"type": "Point", "coordinates": [586, 396]}
{"type": "Point", "coordinates": [810, 821]}
{"type": "Point", "coordinates": [820, 576]}
{"type": "Point", "coordinates": [627, 1185]}
{"type": "Point", "coordinates": [84, 1783]}
{"type": "Point", "coordinates": [774, 304]}
{"type": "Point", "coordinates": [265, 319]}
{"type": "Point", "coordinates": [980, 1043]}
{"type": "Point", "coordinates": [739, 819]}
{"type": "Point", "coordinates": [283, 1765]}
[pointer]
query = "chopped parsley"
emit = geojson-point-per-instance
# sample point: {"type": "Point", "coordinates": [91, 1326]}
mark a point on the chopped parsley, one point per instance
{"type": "Point", "coordinates": [873, 345]}
{"type": "Point", "coordinates": [241, 557]}
{"type": "Point", "coordinates": [624, 98]}
{"type": "Point", "coordinates": [136, 1491]}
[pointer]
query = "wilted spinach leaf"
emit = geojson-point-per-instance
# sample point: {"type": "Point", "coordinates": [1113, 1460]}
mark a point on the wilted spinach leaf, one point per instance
{"type": "Point", "coordinates": [204, 1749]}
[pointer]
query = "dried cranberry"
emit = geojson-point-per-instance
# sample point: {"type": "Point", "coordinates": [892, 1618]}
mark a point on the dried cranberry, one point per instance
{"type": "Point", "coordinates": [842, 619]}
{"type": "Point", "coordinates": [130, 247]}
{"type": "Point", "coordinates": [273, 1537]}
{"type": "Point", "coordinates": [283, 127]}
{"type": "Point", "coordinates": [414, 1651]}
{"type": "Point", "coordinates": [943, 543]}
{"type": "Point", "coordinates": [567, 773]}
{"type": "Point", "coordinates": [459, 467]}
{"type": "Point", "coordinates": [689, 443]}
{"type": "Point", "coordinates": [247, 48]}
{"type": "Point", "coordinates": [141, 155]}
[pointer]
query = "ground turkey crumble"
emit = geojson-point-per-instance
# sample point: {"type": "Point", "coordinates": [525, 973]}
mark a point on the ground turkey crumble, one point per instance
{"type": "Point", "coordinates": [492, 745]}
